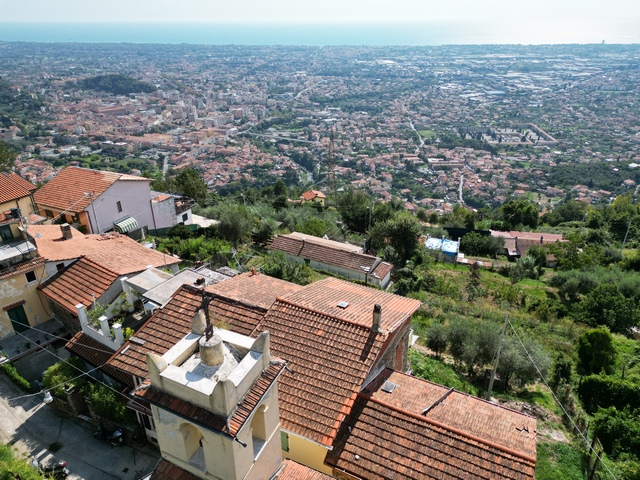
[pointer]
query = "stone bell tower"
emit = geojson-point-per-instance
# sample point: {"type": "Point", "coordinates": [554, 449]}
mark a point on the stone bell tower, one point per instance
{"type": "Point", "coordinates": [214, 399]}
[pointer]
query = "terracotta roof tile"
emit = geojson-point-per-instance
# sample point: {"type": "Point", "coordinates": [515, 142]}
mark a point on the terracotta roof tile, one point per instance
{"type": "Point", "coordinates": [206, 418]}
{"type": "Point", "coordinates": [66, 191]}
{"type": "Point", "coordinates": [168, 471]}
{"type": "Point", "coordinates": [291, 470]}
{"type": "Point", "coordinates": [324, 296]}
{"type": "Point", "coordinates": [22, 267]}
{"type": "Point", "coordinates": [311, 194]}
{"type": "Point", "coordinates": [329, 358]}
{"type": "Point", "coordinates": [76, 283]}
{"type": "Point", "coordinates": [88, 349]}
{"type": "Point", "coordinates": [14, 187]}
{"type": "Point", "coordinates": [253, 289]}
{"type": "Point", "coordinates": [235, 316]}
{"type": "Point", "coordinates": [161, 332]}
{"type": "Point", "coordinates": [310, 250]}
{"type": "Point", "coordinates": [119, 253]}
{"type": "Point", "coordinates": [461, 437]}
{"type": "Point", "coordinates": [97, 354]}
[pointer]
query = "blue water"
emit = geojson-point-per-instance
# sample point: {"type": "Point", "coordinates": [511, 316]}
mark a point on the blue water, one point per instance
{"type": "Point", "coordinates": [321, 34]}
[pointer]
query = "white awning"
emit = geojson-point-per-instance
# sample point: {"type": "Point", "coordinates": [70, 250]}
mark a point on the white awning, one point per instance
{"type": "Point", "coordinates": [125, 225]}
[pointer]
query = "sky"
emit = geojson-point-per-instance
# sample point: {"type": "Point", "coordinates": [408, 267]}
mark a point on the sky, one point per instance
{"type": "Point", "coordinates": [555, 18]}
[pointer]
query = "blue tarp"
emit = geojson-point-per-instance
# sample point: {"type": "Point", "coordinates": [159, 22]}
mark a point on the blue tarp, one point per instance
{"type": "Point", "coordinates": [448, 247]}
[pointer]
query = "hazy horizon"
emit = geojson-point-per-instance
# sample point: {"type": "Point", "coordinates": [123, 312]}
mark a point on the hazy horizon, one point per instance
{"type": "Point", "coordinates": [321, 33]}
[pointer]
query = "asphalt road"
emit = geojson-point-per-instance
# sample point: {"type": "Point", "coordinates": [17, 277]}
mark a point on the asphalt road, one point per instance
{"type": "Point", "coordinates": [31, 426]}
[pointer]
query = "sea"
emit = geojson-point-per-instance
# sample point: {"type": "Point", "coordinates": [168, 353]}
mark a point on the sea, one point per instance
{"type": "Point", "coordinates": [533, 32]}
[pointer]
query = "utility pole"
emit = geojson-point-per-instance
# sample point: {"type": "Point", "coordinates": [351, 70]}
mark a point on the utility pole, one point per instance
{"type": "Point", "coordinates": [633, 202]}
{"type": "Point", "coordinates": [93, 208]}
{"type": "Point", "coordinates": [495, 365]}
{"type": "Point", "coordinates": [331, 167]}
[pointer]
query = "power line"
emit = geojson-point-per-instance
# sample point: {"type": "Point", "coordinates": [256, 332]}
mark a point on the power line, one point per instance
{"type": "Point", "coordinates": [586, 441]}
{"type": "Point", "coordinates": [82, 372]}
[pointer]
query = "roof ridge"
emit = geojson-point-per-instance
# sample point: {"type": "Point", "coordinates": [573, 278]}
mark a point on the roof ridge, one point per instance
{"type": "Point", "coordinates": [455, 430]}
{"type": "Point", "coordinates": [318, 312]}
{"type": "Point", "coordinates": [96, 262]}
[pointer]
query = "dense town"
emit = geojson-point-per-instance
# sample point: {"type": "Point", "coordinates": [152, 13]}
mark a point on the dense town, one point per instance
{"type": "Point", "coordinates": [423, 124]}
{"type": "Point", "coordinates": [353, 263]}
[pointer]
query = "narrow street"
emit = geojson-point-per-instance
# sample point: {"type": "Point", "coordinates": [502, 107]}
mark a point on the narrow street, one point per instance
{"type": "Point", "coordinates": [32, 427]}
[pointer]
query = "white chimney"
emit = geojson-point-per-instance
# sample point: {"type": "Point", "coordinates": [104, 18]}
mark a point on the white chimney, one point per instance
{"type": "Point", "coordinates": [82, 314]}
{"type": "Point", "coordinates": [117, 331]}
{"type": "Point", "coordinates": [104, 325]}
{"type": "Point", "coordinates": [377, 318]}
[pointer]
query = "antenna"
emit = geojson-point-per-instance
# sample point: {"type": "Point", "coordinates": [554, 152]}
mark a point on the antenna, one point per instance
{"type": "Point", "coordinates": [208, 329]}
{"type": "Point", "coordinates": [331, 166]}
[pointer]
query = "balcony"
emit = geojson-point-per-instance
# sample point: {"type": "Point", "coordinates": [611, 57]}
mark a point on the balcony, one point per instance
{"type": "Point", "coordinates": [14, 253]}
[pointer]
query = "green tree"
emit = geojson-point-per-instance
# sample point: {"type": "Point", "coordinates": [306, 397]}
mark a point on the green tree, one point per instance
{"type": "Point", "coordinates": [517, 213]}
{"type": "Point", "coordinates": [606, 305]}
{"type": "Point", "coordinates": [354, 207]}
{"type": "Point", "coordinates": [312, 226]}
{"type": "Point", "coordinates": [618, 430]}
{"type": "Point", "coordinates": [236, 223]}
{"type": "Point", "coordinates": [190, 183]}
{"type": "Point", "coordinates": [402, 233]}
{"type": "Point", "coordinates": [278, 266]}
{"type": "Point", "coordinates": [7, 157]}
{"type": "Point", "coordinates": [596, 352]}
{"type": "Point", "coordinates": [515, 364]}
{"type": "Point", "coordinates": [562, 370]}
{"type": "Point", "coordinates": [436, 338]}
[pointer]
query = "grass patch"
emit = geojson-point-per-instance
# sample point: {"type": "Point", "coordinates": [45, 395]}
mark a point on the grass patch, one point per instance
{"type": "Point", "coordinates": [559, 460]}
{"type": "Point", "coordinates": [428, 134]}
{"type": "Point", "coordinates": [437, 371]}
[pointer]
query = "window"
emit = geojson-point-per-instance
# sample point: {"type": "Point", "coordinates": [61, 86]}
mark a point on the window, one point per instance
{"type": "Point", "coordinates": [48, 214]}
{"type": "Point", "coordinates": [31, 276]}
{"type": "Point", "coordinates": [185, 217]}
{"type": "Point", "coordinates": [59, 267]}
{"type": "Point", "coordinates": [119, 205]}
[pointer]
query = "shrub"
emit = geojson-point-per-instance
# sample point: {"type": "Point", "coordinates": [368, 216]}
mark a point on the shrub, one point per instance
{"type": "Point", "coordinates": [600, 391]}
{"type": "Point", "coordinates": [57, 375]}
{"type": "Point", "coordinates": [15, 377]}
{"type": "Point", "coordinates": [108, 404]}
{"type": "Point", "coordinates": [618, 430]}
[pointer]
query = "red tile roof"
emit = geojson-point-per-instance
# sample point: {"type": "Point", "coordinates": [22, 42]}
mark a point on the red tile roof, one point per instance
{"type": "Point", "coordinates": [291, 470]}
{"type": "Point", "coordinates": [459, 437]}
{"type": "Point", "coordinates": [253, 289]}
{"type": "Point", "coordinates": [324, 296]}
{"type": "Point", "coordinates": [309, 249]}
{"type": "Point", "coordinates": [329, 359]}
{"type": "Point", "coordinates": [161, 332]}
{"type": "Point", "coordinates": [97, 354]}
{"type": "Point", "coordinates": [23, 267]}
{"type": "Point", "coordinates": [205, 417]}
{"type": "Point", "coordinates": [76, 283]}
{"type": "Point", "coordinates": [119, 253]}
{"type": "Point", "coordinates": [14, 187]}
{"type": "Point", "coordinates": [235, 316]}
{"type": "Point", "coordinates": [311, 194]}
{"type": "Point", "coordinates": [66, 191]}
{"type": "Point", "coordinates": [166, 470]}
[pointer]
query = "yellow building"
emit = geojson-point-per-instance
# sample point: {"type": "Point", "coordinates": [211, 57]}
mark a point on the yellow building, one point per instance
{"type": "Point", "coordinates": [21, 268]}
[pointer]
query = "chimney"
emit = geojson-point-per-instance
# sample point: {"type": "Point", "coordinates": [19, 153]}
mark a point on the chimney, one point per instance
{"type": "Point", "coordinates": [377, 318]}
{"type": "Point", "coordinates": [104, 325]}
{"type": "Point", "coordinates": [117, 332]}
{"type": "Point", "coordinates": [82, 314]}
{"type": "Point", "coordinates": [66, 231]}
{"type": "Point", "coordinates": [541, 239]}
